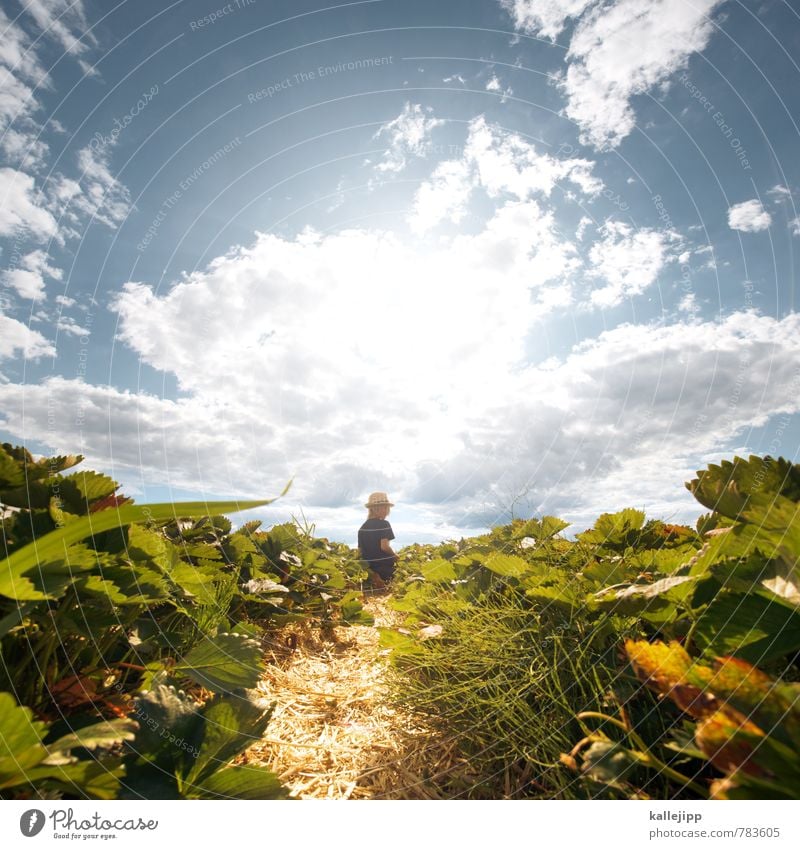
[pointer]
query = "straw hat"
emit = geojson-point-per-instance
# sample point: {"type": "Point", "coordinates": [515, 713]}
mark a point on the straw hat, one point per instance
{"type": "Point", "coordinates": [378, 499]}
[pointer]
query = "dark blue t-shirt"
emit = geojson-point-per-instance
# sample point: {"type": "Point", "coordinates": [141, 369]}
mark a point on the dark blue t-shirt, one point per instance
{"type": "Point", "coordinates": [370, 535]}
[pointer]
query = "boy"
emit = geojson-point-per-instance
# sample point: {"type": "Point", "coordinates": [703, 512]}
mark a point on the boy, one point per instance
{"type": "Point", "coordinates": [373, 540]}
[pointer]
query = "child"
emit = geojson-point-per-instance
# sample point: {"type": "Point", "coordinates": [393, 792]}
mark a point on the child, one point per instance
{"type": "Point", "coordinates": [373, 540]}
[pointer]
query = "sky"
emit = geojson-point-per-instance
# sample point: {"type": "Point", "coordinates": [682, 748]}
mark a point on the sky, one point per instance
{"type": "Point", "coordinates": [497, 258]}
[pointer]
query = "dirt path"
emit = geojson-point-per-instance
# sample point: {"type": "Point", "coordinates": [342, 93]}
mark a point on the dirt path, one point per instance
{"type": "Point", "coordinates": [334, 733]}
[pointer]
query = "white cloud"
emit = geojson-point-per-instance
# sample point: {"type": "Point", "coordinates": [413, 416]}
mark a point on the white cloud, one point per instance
{"type": "Point", "coordinates": [794, 224]}
{"type": "Point", "coordinates": [65, 301]}
{"type": "Point", "coordinates": [444, 196]}
{"type": "Point", "coordinates": [28, 277]}
{"type": "Point", "coordinates": [409, 135]}
{"type": "Point", "coordinates": [779, 191]}
{"type": "Point", "coordinates": [544, 17]}
{"type": "Point", "coordinates": [628, 261]}
{"type": "Point", "coordinates": [749, 217]}
{"type": "Point", "coordinates": [495, 85]}
{"type": "Point", "coordinates": [19, 207]}
{"type": "Point", "coordinates": [63, 21]}
{"type": "Point", "coordinates": [607, 64]}
{"type": "Point", "coordinates": [622, 420]}
{"type": "Point", "coordinates": [69, 325]}
{"type": "Point", "coordinates": [502, 164]}
{"type": "Point", "coordinates": [17, 337]}
{"type": "Point", "coordinates": [103, 196]}
{"type": "Point", "coordinates": [20, 74]}
{"type": "Point", "coordinates": [688, 304]}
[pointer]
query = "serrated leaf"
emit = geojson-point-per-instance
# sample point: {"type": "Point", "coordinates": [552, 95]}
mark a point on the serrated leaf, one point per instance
{"type": "Point", "coordinates": [507, 565]}
{"type": "Point", "coordinates": [727, 487]}
{"type": "Point", "coordinates": [100, 735]}
{"type": "Point", "coordinates": [195, 581]}
{"type": "Point", "coordinates": [93, 779]}
{"type": "Point", "coordinates": [51, 545]}
{"type": "Point", "coordinates": [224, 663]}
{"type": "Point", "coordinates": [12, 474]}
{"type": "Point", "coordinates": [615, 531]}
{"type": "Point", "coordinates": [90, 486]}
{"type": "Point", "coordinates": [638, 597]}
{"type": "Point", "coordinates": [20, 741]}
{"type": "Point", "coordinates": [240, 782]}
{"type": "Point", "coordinates": [229, 726]}
{"type": "Point", "coordinates": [163, 714]}
{"type": "Point", "coordinates": [541, 529]}
{"type": "Point", "coordinates": [748, 626]}
{"type": "Point", "coordinates": [438, 570]}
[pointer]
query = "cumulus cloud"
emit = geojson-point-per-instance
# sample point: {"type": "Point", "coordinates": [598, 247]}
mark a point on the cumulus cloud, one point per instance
{"type": "Point", "coordinates": [409, 135]}
{"type": "Point", "coordinates": [103, 197]}
{"type": "Point", "coordinates": [17, 338]}
{"type": "Point", "coordinates": [749, 217]}
{"type": "Point", "coordinates": [544, 17]}
{"type": "Point", "coordinates": [628, 261]}
{"type": "Point", "coordinates": [622, 420]}
{"type": "Point", "coordinates": [63, 21]}
{"type": "Point", "coordinates": [28, 277]}
{"type": "Point", "coordinates": [20, 209]}
{"type": "Point", "coordinates": [606, 65]}
{"type": "Point", "coordinates": [500, 163]}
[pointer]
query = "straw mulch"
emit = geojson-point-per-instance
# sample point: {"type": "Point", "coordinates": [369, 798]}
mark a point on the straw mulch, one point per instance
{"type": "Point", "coordinates": [334, 733]}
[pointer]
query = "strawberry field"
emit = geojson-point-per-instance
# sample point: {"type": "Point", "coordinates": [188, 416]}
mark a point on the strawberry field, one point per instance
{"type": "Point", "coordinates": [638, 659]}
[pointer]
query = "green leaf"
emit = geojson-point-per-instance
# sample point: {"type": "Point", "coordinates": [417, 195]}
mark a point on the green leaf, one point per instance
{"type": "Point", "coordinates": [726, 488]}
{"type": "Point", "coordinates": [229, 725]}
{"type": "Point", "coordinates": [52, 545]}
{"type": "Point", "coordinates": [563, 597]}
{"type": "Point", "coordinates": [614, 530]}
{"type": "Point", "coordinates": [748, 626]}
{"type": "Point", "coordinates": [12, 473]}
{"type": "Point", "coordinates": [541, 529]}
{"type": "Point", "coordinates": [638, 597]}
{"type": "Point", "coordinates": [240, 782]}
{"type": "Point", "coordinates": [197, 582]}
{"type": "Point", "coordinates": [93, 779]}
{"type": "Point", "coordinates": [20, 742]}
{"type": "Point", "coordinates": [438, 570]}
{"type": "Point", "coordinates": [507, 565]}
{"type": "Point", "coordinates": [223, 663]}
{"type": "Point", "coordinates": [100, 735]}
{"type": "Point", "coordinates": [80, 490]}
{"type": "Point", "coordinates": [164, 715]}
{"type": "Point", "coordinates": [352, 610]}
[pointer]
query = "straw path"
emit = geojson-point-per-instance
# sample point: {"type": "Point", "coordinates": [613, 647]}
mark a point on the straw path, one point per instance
{"type": "Point", "coordinates": [334, 733]}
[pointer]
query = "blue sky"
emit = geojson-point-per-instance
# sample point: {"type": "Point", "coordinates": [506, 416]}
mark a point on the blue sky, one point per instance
{"type": "Point", "coordinates": [528, 256]}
